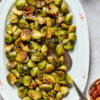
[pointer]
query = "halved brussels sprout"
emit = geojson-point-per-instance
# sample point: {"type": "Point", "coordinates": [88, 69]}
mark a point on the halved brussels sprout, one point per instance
{"type": "Point", "coordinates": [22, 57]}
{"type": "Point", "coordinates": [63, 83]}
{"type": "Point", "coordinates": [61, 60]}
{"type": "Point", "coordinates": [58, 2]}
{"type": "Point", "coordinates": [13, 19]}
{"type": "Point", "coordinates": [42, 65]}
{"type": "Point", "coordinates": [69, 79]}
{"type": "Point", "coordinates": [39, 3]}
{"type": "Point", "coordinates": [37, 57]}
{"type": "Point", "coordinates": [64, 26]}
{"type": "Point", "coordinates": [20, 4]}
{"type": "Point", "coordinates": [55, 77]}
{"type": "Point", "coordinates": [11, 55]}
{"type": "Point", "coordinates": [72, 29]}
{"type": "Point", "coordinates": [17, 12]}
{"type": "Point", "coordinates": [27, 98]}
{"type": "Point", "coordinates": [57, 87]}
{"type": "Point", "coordinates": [41, 20]}
{"type": "Point", "coordinates": [72, 37]}
{"type": "Point", "coordinates": [44, 11]}
{"type": "Point", "coordinates": [31, 64]}
{"type": "Point", "coordinates": [16, 73]}
{"type": "Point", "coordinates": [19, 82]}
{"type": "Point", "coordinates": [63, 68]}
{"type": "Point", "coordinates": [61, 75]}
{"type": "Point", "coordinates": [17, 33]}
{"type": "Point", "coordinates": [22, 91]}
{"type": "Point", "coordinates": [20, 67]}
{"type": "Point", "coordinates": [48, 22]}
{"type": "Point", "coordinates": [32, 85]}
{"type": "Point", "coordinates": [45, 87]}
{"type": "Point", "coordinates": [34, 72]}
{"type": "Point", "coordinates": [11, 65]}
{"type": "Point", "coordinates": [34, 94]}
{"type": "Point", "coordinates": [51, 98]}
{"type": "Point", "coordinates": [57, 31]}
{"type": "Point", "coordinates": [69, 46]}
{"type": "Point", "coordinates": [23, 23]}
{"type": "Point", "coordinates": [59, 96]}
{"type": "Point", "coordinates": [8, 38]}
{"type": "Point", "coordinates": [9, 47]}
{"type": "Point", "coordinates": [68, 19]}
{"type": "Point", "coordinates": [26, 70]}
{"type": "Point", "coordinates": [30, 2]}
{"type": "Point", "coordinates": [34, 25]}
{"type": "Point", "coordinates": [45, 96]}
{"type": "Point", "coordinates": [52, 59]}
{"type": "Point", "coordinates": [49, 33]}
{"type": "Point", "coordinates": [59, 50]}
{"type": "Point", "coordinates": [44, 50]}
{"type": "Point", "coordinates": [48, 79]}
{"type": "Point", "coordinates": [38, 82]}
{"type": "Point", "coordinates": [49, 1]}
{"type": "Point", "coordinates": [64, 7]}
{"type": "Point", "coordinates": [64, 90]}
{"type": "Point", "coordinates": [49, 68]}
{"type": "Point", "coordinates": [25, 47]}
{"type": "Point", "coordinates": [63, 35]}
{"type": "Point", "coordinates": [53, 10]}
{"type": "Point", "coordinates": [26, 35]}
{"type": "Point", "coordinates": [36, 34]}
{"type": "Point", "coordinates": [60, 18]}
{"type": "Point", "coordinates": [11, 78]}
{"type": "Point", "coordinates": [18, 42]}
{"type": "Point", "coordinates": [27, 80]}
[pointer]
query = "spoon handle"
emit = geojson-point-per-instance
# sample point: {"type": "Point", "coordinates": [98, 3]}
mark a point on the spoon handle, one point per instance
{"type": "Point", "coordinates": [82, 97]}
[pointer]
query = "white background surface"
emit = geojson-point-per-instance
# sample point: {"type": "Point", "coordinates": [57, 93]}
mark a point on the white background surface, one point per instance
{"type": "Point", "coordinates": [92, 10]}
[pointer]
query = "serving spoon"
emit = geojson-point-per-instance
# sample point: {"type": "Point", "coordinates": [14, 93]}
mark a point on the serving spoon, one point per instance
{"type": "Point", "coordinates": [81, 95]}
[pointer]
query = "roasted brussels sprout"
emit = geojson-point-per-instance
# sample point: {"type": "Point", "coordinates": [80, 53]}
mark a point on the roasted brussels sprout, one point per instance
{"type": "Point", "coordinates": [49, 33]}
{"type": "Point", "coordinates": [16, 73]}
{"type": "Point", "coordinates": [27, 98]}
{"type": "Point", "coordinates": [18, 42]}
{"type": "Point", "coordinates": [41, 20]}
{"type": "Point", "coordinates": [13, 19]}
{"type": "Point", "coordinates": [62, 68]}
{"type": "Point", "coordinates": [31, 64]}
{"type": "Point", "coordinates": [40, 4]}
{"type": "Point", "coordinates": [32, 85]}
{"type": "Point", "coordinates": [44, 50]}
{"type": "Point", "coordinates": [49, 1]}
{"type": "Point", "coordinates": [22, 57]}
{"type": "Point", "coordinates": [55, 77]}
{"type": "Point", "coordinates": [11, 65]}
{"type": "Point", "coordinates": [25, 47]}
{"type": "Point", "coordinates": [59, 50]}
{"type": "Point", "coordinates": [64, 90]}
{"type": "Point", "coordinates": [72, 37]}
{"type": "Point", "coordinates": [20, 4]}
{"type": "Point", "coordinates": [64, 26]}
{"type": "Point", "coordinates": [42, 65]}
{"type": "Point", "coordinates": [69, 46]}
{"type": "Point", "coordinates": [61, 61]}
{"type": "Point", "coordinates": [68, 19]}
{"type": "Point", "coordinates": [34, 72]}
{"type": "Point", "coordinates": [34, 94]}
{"type": "Point", "coordinates": [8, 47]}
{"type": "Point", "coordinates": [45, 87]}
{"type": "Point", "coordinates": [45, 96]}
{"type": "Point", "coordinates": [27, 80]}
{"type": "Point", "coordinates": [17, 12]}
{"type": "Point", "coordinates": [38, 82]}
{"type": "Point", "coordinates": [34, 25]}
{"type": "Point", "coordinates": [58, 2]}
{"type": "Point", "coordinates": [17, 33]}
{"type": "Point", "coordinates": [69, 79]}
{"type": "Point", "coordinates": [48, 21]}
{"type": "Point", "coordinates": [51, 98]}
{"type": "Point", "coordinates": [26, 70]}
{"type": "Point", "coordinates": [60, 18]}
{"type": "Point", "coordinates": [72, 29]}
{"type": "Point", "coordinates": [59, 96]}
{"type": "Point", "coordinates": [31, 2]}
{"type": "Point", "coordinates": [11, 78]}
{"type": "Point", "coordinates": [64, 7]}
{"type": "Point", "coordinates": [26, 35]}
{"type": "Point", "coordinates": [57, 87]}
{"type": "Point", "coordinates": [20, 67]}
{"type": "Point", "coordinates": [37, 57]}
{"type": "Point", "coordinates": [57, 31]}
{"type": "Point", "coordinates": [48, 79]}
{"type": "Point", "coordinates": [23, 23]}
{"type": "Point", "coordinates": [49, 68]}
{"type": "Point", "coordinates": [61, 75]}
{"type": "Point", "coordinates": [22, 91]}
{"type": "Point", "coordinates": [44, 11]}
{"type": "Point", "coordinates": [52, 59]}
{"type": "Point", "coordinates": [63, 83]}
{"type": "Point", "coordinates": [8, 38]}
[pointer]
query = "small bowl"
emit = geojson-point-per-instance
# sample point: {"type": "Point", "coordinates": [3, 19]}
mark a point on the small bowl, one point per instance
{"type": "Point", "coordinates": [92, 83]}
